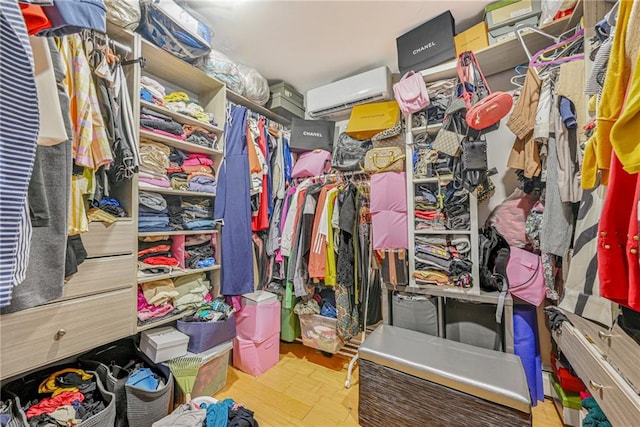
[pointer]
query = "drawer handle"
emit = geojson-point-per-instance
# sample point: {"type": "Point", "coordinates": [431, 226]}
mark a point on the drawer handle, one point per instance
{"type": "Point", "coordinates": [60, 333]}
{"type": "Point", "coordinates": [595, 386]}
{"type": "Point", "coordinates": [606, 335]}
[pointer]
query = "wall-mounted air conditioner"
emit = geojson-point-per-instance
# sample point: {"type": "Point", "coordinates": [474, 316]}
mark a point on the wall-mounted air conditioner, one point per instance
{"type": "Point", "coordinates": [334, 100]}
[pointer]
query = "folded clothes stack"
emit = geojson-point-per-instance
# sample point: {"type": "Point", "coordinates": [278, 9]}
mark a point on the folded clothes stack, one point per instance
{"type": "Point", "coordinates": [193, 291]}
{"type": "Point", "coordinates": [200, 174]}
{"type": "Point", "coordinates": [152, 212]}
{"type": "Point", "coordinates": [443, 261]}
{"type": "Point", "coordinates": [199, 254]}
{"type": "Point", "coordinates": [148, 311]}
{"type": "Point", "coordinates": [156, 257]}
{"type": "Point", "coordinates": [180, 102]}
{"type": "Point", "coordinates": [441, 208]}
{"type": "Point", "coordinates": [177, 176]}
{"type": "Point", "coordinates": [197, 214]}
{"type": "Point", "coordinates": [174, 208]}
{"type": "Point", "coordinates": [200, 136]}
{"type": "Point", "coordinates": [159, 123]}
{"type": "Point", "coordinates": [151, 91]}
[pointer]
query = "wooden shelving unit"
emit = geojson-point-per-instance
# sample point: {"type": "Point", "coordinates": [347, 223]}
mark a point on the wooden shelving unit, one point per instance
{"type": "Point", "coordinates": [182, 118]}
{"type": "Point", "coordinates": [176, 233]}
{"type": "Point", "coordinates": [177, 143]}
{"type": "Point", "coordinates": [164, 321]}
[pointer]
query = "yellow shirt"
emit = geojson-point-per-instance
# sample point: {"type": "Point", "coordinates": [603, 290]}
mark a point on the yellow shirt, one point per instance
{"type": "Point", "coordinates": [599, 147]}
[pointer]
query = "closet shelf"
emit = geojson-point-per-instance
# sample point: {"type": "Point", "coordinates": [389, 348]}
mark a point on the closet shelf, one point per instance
{"type": "Point", "coordinates": [441, 232]}
{"type": "Point", "coordinates": [241, 100]}
{"type": "Point", "coordinates": [172, 192]}
{"type": "Point", "coordinates": [164, 321]}
{"type": "Point", "coordinates": [444, 178]}
{"type": "Point", "coordinates": [502, 56]}
{"type": "Point", "coordinates": [177, 143]}
{"type": "Point", "coordinates": [170, 68]}
{"type": "Point", "coordinates": [177, 273]}
{"type": "Point", "coordinates": [433, 128]}
{"type": "Point", "coordinates": [453, 292]}
{"type": "Point", "coordinates": [183, 119]}
{"type": "Point", "coordinates": [176, 233]}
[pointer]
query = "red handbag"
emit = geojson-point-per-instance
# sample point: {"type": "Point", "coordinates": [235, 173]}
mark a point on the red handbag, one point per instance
{"type": "Point", "coordinates": [491, 107]}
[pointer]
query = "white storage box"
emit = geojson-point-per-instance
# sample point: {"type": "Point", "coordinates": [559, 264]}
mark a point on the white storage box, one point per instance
{"type": "Point", "coordinates": [162, 344]}
{"type": "Point", "coordinates": [258, 297]}
{"type": "Point", "coordinates": [320, 332]}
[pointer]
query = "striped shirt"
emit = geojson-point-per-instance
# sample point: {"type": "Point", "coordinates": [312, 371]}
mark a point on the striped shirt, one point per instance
{"type": "Point", "coordinates": [19, 125]}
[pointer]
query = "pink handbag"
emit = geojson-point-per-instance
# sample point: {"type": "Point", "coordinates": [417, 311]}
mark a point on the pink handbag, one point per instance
{"type": "Point", "coordinates": [526, 276]}
{"type": "Point", "coordinates": [312, 163]}
{"type": "Point", "coordinates": [411, 93]}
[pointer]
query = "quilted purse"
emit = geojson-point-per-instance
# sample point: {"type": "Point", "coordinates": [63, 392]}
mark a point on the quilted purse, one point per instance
{"type": "Point", "coordinates": [392, 137]}
{"type": "Point", "coordinates": [490, 108]}
{"type": "Point", "coordinates": [381, 160]}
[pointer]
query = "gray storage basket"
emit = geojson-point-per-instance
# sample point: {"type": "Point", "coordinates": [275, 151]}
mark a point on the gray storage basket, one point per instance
{"type": "Point", "coordinates": [473, 323]}
{"type": "Point", "coordinates": [135, 407]}
{"type": "Point", "coordinates": [416, 312]}
{"type": "Point", "coordinates": [26, 389]}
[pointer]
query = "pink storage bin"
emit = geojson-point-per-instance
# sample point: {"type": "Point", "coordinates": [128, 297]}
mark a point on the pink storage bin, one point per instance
{"type": "Point", "coordinates": [390, 230]}
{"type": "Point", "coordinates": [257, 322]}
{"type": "Point", "coordinates": [388, 192]}
{"type": "Point", "coordinates": [256, 358]}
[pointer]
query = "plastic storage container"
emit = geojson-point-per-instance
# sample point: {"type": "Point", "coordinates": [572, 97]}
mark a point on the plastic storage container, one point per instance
{"type": "Point", "coordinates": [162, 344]}
{"type": "Point", "coordinates": [320, 332]}
{"type": "Point", "coordinates": [204, 336]}
{"type": "Point", "coordinates": [256, 358]}
{"type": "Point", "coordinates": [212, 375]}
{"type": "Point", "coordinates": [258, 320]}
{"type": "Point", "coordinates": [416, 312]}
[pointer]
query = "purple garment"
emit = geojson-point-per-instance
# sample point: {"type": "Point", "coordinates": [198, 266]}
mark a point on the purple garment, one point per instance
{"type": "Point", "coordinates": [568, 113]}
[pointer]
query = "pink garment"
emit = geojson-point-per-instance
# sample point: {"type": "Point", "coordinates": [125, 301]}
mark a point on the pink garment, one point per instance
{"type": "Point", "coordinates": [390, 230]}
{"type": "Point", "coordinates": [163, 133]}
{"type": "Point", "coordinates": [147, 311]}
{"type": "Point", "coordinates": [389, 192]}
{"type": "Point", "coordinates": [196, 161]}
{"type": "Point", "coordinates": [157, 182]}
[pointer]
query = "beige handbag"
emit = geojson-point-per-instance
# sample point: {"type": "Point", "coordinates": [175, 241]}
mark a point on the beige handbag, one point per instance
{"type": "Point", "coordinates": [390, 159]}
{"type": "Point", "coordinates": [447, 142]}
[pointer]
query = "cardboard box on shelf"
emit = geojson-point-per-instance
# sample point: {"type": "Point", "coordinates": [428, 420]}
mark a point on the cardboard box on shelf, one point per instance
{"type": "Point", "coordinates": [508, 12]}
{"type": "Point", "coordinates": [474, 39]}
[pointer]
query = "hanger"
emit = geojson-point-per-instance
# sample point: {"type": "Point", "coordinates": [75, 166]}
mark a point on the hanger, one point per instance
{"type": "Point", "coordinates": [559, 49]}
{"type": "Point", "coordinates": [520, 28]}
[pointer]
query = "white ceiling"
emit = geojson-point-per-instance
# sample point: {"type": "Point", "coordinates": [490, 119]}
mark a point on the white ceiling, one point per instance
{"type": "Point", "coordinates": [311, 43]}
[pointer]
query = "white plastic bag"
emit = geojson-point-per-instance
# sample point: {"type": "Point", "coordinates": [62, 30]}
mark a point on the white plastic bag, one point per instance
{"type": "Point", "coordinates": [550, 8]}
{"type": "Point", "coordinates": [220, 66]}
{"type": "Point", "coordinates": [256, 87]}
{"type": "Point", "coordinates": [123, 13]}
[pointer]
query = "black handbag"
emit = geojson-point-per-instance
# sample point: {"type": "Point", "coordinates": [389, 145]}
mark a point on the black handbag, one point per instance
{"type": "Point", "coordinates": [474, 163]}
{"type": "Point", "coordinates": [309, 135]}
{"type": "Point", "coordinates": [349, 153]}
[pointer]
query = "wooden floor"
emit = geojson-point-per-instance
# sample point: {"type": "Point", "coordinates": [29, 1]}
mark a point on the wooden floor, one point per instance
{"type": "Point", "coordinates": [306, 388]}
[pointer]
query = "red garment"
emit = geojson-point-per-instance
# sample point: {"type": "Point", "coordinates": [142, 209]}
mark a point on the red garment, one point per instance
{"type": "Point", "coordinates": [34, 18]}
{"type": "Point", "coordinates": [50, 404]}
{"type": "Point", "coordinates": [154, 249]}
{"type": "Point", "coordinates": [162, 260]}
{"type": "Point", "coordinates": [261, 221]}
{"type": "Point", "coordinates": [618, 268]}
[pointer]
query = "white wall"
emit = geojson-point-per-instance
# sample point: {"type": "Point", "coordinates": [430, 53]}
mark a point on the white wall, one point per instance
{"type": "Point", "coordinates": [499, 145]}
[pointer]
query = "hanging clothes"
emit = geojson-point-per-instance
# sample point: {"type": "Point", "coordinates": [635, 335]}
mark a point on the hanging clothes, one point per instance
{"type": "Point", "coordinates": [260, 221]}
{"type": "Point", "coordinates": [18, 137]}
{"type": "Point", "coordinates": [233, 208]}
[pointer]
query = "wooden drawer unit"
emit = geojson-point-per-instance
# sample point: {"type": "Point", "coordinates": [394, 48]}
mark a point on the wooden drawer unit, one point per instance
{"type": "Point", "coordinates": [41, 335]}
{"type": "Point", "coordinates": [104, 240]}
{"type": "Point", "coordinates": [619, 348]}
{"type": "Point", "coordinates": [101, 274]}
{"type": "Point", "coordinates": [616, 398]}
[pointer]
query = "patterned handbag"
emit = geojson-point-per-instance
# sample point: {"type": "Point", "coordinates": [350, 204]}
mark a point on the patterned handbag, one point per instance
{"type": "Point", "coordinates": [392, 137]}
{"type": "Point", "coordinates": [381, 160]}
{"type": "Point", "coordinates": [447, 142]}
